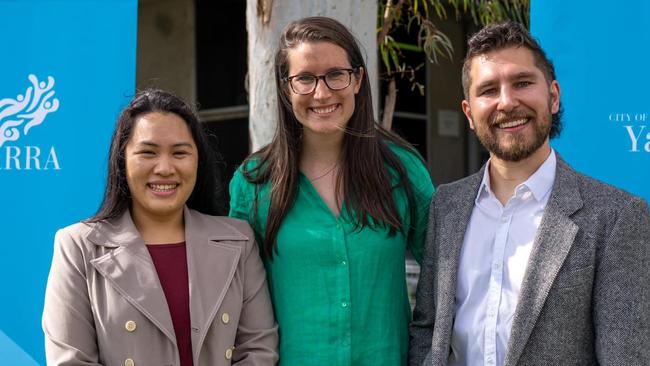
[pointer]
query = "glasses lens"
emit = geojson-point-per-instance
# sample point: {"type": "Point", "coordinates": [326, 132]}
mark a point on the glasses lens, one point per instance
{"type": "Point", "coordinates": [303, 84]}
{"type": "Point", "coordinates": [338, 79]}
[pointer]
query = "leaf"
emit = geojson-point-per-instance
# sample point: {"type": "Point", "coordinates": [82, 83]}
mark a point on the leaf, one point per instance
{"type": "Point", "coordinates": [425, 5]}
{"type": "Point", "coordinates": [395, 58]}
{"type": "Point", "coordinates": [418, 15]}
{"type": "Point", "coordinates": [440, 10]}
{"type": "Point", "coordinates": [384, 57]}
{"type": "Point", "coordinates": [408, 47]}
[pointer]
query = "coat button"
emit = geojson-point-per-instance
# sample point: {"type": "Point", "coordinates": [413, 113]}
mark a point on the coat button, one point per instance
{"type": "Point", "coordinates": [225, 318]}
{"type": "Point", "coordinates": [130, 326]}
{"type": "Point", "coordinates": [129, 362]}
{"type": "Point", "coordinates": [228, 353]}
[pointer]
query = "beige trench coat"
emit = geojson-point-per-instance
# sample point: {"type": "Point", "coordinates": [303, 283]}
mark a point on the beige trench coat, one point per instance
{"type": "Point", "coordinates": [104, 304]}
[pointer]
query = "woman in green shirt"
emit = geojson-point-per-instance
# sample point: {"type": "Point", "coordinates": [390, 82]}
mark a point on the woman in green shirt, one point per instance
{"type": "Point", "coordinates": [335, 201]}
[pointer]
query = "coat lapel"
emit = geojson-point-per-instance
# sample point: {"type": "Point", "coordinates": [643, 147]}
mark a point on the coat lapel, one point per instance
{"type": "Point", "coordinates": [131, 271]}
{"type": "Point", "coordinates": [212, 263]}
{"type": "Point", "coordinates": [552, 244]}
{"type": "Point", "coordinates": [457, 210]}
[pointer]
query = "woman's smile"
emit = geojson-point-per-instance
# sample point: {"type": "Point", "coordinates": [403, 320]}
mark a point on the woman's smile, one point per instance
{"type": "Point", "coordinates": [163, 189]}
{"type": "Point", "coordinates": [325, 110]}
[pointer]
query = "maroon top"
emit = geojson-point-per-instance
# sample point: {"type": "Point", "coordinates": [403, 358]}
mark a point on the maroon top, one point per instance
{"type": "Point", "coordinates": [171, 264]}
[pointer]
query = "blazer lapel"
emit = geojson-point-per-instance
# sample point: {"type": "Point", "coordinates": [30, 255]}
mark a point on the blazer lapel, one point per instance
{"type": "Point", "coordinates": [130, 270]}
{"type": "Point", "coordinates": [212, 263]}
{"type": "Point", "coordinates": [457, 210]}
{"type": "Point", "coordinates": [552, 244]}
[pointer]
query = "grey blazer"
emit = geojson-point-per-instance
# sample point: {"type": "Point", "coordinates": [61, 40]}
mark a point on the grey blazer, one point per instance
{"type": "Point", "coordinates": [584, 297]}
{"type": "Point", "coordinates": [104, 304]}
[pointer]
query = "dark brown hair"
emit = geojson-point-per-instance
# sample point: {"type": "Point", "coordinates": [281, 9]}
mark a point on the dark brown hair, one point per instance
{"type": "Point", "coordinates": [499, 36]}
{"type": "Point", "coordinates": [206, 197]}
{"type": "Point", "coordinates": [364, 178]}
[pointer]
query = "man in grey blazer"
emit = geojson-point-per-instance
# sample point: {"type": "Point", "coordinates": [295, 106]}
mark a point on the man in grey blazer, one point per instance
{"type": "Point", "coordinates": [528, 262]}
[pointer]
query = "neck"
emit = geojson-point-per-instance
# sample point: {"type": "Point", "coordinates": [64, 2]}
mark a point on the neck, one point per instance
{"type": "Point", "coordinates": [505, 176]}
{"type": "Point", "coordinates": [159, 229]}
{"type": "Point", "coordinates": [320, 150]}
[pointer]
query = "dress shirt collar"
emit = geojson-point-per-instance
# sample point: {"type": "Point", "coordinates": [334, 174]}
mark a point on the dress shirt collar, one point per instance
{"type": "Point", "coordinates": [539, 183]}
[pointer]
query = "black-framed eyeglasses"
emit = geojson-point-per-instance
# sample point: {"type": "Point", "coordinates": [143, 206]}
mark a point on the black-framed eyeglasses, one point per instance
{"type": "Point", "coordinates": [336, 79]}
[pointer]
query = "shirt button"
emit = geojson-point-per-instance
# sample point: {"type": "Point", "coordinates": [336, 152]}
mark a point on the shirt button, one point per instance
{"type": "Point", "coordinates": [344, 304]}
{"type": "Point", "coordinates": [129, 362]}
{"type": "Point", "coordinates": [228, 354]}
{"type": "Point", "coordinates": [225, 318]}
{"type": "Point", "coordinates": [343, 263]}
{"type": "Point", "coordinates": [130, 326]}
{"type": "Point", "coordinates": [504, 219]}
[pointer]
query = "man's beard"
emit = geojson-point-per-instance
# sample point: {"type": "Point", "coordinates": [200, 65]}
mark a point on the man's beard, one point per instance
{"type": "Point", "coordinates": [520, 146]}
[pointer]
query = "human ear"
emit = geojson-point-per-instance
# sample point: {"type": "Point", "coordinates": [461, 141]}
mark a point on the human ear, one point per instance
{"type": "Point", "coordinates": [358, 77]}
{"type": "Point", "coordinates": [554, 91]}
{"type": "Point", "coordinates": [468, 113]}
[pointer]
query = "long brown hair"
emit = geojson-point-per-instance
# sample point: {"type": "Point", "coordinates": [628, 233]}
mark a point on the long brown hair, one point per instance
{"type": "Point", "coordinates": [364, 178]}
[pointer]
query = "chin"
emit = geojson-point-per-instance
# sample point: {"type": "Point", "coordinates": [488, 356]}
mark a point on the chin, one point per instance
{"type": "Point", "coordinates": [326, 130]}
{"type": "Point", "coordinates": [166, 211]}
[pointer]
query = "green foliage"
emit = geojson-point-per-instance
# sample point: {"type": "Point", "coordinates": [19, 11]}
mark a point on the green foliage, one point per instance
{"type": "Point", "coordinates": [406, 14]}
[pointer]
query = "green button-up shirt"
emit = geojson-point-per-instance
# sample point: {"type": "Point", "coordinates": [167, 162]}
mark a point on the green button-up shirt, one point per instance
{"type": "Point", "coordinates": [339, 295]}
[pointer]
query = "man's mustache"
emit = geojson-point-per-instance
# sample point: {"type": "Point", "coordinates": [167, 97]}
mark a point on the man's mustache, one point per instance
{"type": "Point", "coordinates": [501, 117]}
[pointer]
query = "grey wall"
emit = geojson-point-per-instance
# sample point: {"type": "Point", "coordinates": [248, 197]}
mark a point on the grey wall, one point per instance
{"type": "Point", "coordinates": [166, 46]}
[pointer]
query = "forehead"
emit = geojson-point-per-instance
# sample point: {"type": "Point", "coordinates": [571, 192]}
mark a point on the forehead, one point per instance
{"type": "Point", "coordinates": [161, 128]}
{"type": "Point", "coordinates": [503, 63]}
{"type": "Point", "coordinates": [316, 57]}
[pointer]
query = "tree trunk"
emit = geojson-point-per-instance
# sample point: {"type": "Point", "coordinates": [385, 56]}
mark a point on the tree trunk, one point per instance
{"type": "Point", "coordinates": [265, 20]}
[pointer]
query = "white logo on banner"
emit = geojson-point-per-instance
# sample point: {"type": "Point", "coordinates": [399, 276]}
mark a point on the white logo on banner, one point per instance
{"type": "Point", "coordinates": [18, 116]}
{"type": "Point", "coordinates": [637, 127]}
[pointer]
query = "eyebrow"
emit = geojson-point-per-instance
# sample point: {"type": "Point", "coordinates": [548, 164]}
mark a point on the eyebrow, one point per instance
{"type": "Point", "coordinates": [523, 75]}
{"type": "Point", "coordinates": [517, 76]}
{"type": "Point", "coordinates": [334, 68]}
{"type": "Point", "coordinates": [153, 144]}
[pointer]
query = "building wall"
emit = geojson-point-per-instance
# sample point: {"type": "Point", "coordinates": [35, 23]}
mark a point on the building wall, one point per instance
{"type": "Point", "coordinates": [447, 126]}
{"type": "Point", "coordinates": [166, 46]}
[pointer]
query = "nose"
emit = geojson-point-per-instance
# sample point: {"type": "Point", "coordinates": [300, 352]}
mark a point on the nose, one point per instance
{"type": "Point", "coordinates": [507, 99]}
{"type": "Point", "coordinates": [322, 91]}
{"type": "Point", "coordinates": [164, 166]}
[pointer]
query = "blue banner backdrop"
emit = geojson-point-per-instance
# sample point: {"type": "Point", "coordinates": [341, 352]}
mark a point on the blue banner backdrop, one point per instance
{"type": "Point", "coordinates": [601, 54]}
{"type": "Point", "coordinates": [67, 68]}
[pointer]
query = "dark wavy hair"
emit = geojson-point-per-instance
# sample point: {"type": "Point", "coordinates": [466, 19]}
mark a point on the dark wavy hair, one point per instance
{"type": "Point", "coordinates": [207, 195]}
{"type": "Point", "coordinates": [364, 178]}
{"type": "Point", "coordinates": [503, 35]}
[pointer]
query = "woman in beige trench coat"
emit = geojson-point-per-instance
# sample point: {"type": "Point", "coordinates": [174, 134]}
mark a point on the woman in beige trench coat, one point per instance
{"type": "Point", "coordinates": [153, 278]}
